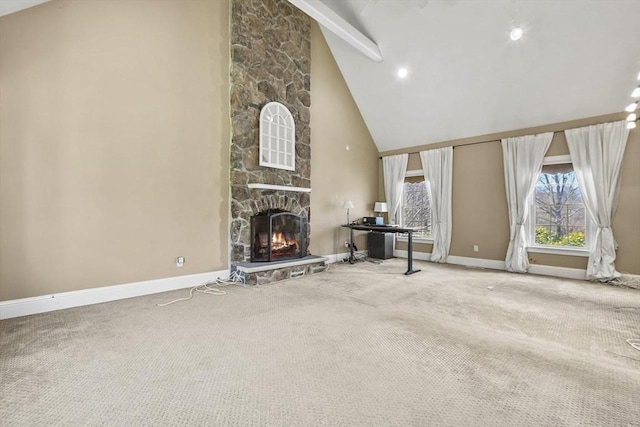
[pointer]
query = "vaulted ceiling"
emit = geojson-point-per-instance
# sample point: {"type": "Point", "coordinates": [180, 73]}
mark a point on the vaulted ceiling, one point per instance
{"type": "Point", "coordinates": [466, 77]}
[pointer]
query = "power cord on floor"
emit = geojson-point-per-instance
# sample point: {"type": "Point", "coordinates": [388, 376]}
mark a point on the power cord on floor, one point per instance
{"type": "Point", "coordinates": [236, 277]}
{"type": "Point", "coordinates": [634, 343]}
{"type": "Point", "coordinates": [357, 257]}
{"type": "Point", "coordinates": [211, 288]}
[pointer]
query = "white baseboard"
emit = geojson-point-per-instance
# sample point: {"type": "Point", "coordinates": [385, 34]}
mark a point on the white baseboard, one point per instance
{"type": "Point", "coordinates": [548, 270]}
{"type": "Point", "coordinates": [492, 264]}
{"type": "Point", "coordinates": [544, 270]}
{"type": "Point", "coordinates": [422, 256]}
{"type": "Point", "coordinates": [45, 303]}
{"type": "Point", "coordinates": [333, 258]}
{"type": "Point", "coordinates": [60, 301]}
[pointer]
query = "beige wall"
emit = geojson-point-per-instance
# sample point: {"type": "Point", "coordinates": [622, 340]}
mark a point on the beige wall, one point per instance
{"type": "Point", "coordinates": [626, 223]}
{"type": "Point", "coordinates": [479, 207]}
{"type": "Point", "coordinates": [113, 143]}
{"type": "Point", "coordinates": [114, 135]}
{"type": "Point", "coordinates": [344, 159]}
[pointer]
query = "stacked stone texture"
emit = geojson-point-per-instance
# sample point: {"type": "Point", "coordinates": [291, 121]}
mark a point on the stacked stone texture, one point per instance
{"type": "Point", "coordinates": [265, 277]}
{"type": "Point", "coordinates": [270, 61]}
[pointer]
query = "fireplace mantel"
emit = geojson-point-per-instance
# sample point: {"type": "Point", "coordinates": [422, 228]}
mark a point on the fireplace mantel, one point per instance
{"type": "Point", "coordinates": [279, 187]}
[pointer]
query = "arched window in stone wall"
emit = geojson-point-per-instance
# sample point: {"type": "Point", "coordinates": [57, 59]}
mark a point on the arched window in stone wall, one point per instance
{"type": "Point", "coordinates": [277, 137]}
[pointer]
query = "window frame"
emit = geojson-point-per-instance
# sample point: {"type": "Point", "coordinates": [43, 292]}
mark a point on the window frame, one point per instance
{"type": "Point", "coordinates": [272, 143]}
{"type": "Point", "coordinates": [404, 237]}
{"type": "Point", "coordinates": [530, 223]}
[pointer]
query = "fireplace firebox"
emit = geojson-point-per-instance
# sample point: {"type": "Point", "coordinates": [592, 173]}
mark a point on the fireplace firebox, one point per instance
{"type": "Point", "coordinates": [278, 235]}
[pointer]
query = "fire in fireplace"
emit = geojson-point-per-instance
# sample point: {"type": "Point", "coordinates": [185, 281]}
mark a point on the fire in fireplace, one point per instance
{"type": "Point", "coordinates": [278, 235]}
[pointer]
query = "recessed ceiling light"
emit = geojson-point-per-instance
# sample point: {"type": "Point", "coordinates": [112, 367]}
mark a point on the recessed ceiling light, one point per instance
{"type": "Point", "coordinates": [636, 93]}
{"type": "Point", "coordinates": [402, 73]}
{"type": "Point", "coordinates": [631, 107]}
{"type": "Point", "coordinates": [516, 33]}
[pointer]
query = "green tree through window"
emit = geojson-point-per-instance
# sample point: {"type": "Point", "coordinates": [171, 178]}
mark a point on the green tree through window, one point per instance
{"type": "Point", "coordinates": [560, 216]}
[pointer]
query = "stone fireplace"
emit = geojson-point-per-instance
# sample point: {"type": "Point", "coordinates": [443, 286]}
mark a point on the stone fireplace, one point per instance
{"type": "Point", "coordinates": [270, 61]}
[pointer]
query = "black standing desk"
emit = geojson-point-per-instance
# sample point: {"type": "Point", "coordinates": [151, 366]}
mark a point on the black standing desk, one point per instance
{"type": "Point", "coordinates": [383, 229]}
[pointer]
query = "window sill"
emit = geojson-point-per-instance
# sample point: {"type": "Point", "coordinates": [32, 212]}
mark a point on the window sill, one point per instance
{"type": "Point", "coordinates": [559, 251]}
{"type": "Point", "coordinates": [403, 238]}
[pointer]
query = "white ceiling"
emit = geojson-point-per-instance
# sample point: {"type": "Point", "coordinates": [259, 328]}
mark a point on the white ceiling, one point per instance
{"type": "Point", "coordinates": [467, 78]}
{"type": "Point", "coordinates": [577, 59]}
{"type": "Point", "coordinates": [10, 6]}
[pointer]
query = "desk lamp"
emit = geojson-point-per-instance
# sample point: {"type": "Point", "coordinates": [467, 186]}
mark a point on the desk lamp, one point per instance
{"type": "Point", "coordinates": [348, 204]}
{"type": "Point", "coordinates": [380, 207]}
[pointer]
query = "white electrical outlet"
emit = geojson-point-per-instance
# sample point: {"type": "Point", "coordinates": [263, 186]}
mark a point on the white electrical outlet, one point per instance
{"type": "Point", "coordinates": [475, 248]}
{"type": "Point", "coordinates": [179, 261]}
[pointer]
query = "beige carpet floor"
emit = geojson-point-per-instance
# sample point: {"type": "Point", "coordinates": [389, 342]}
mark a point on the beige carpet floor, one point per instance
{"type": "Point", "coordinates": [358, 345]}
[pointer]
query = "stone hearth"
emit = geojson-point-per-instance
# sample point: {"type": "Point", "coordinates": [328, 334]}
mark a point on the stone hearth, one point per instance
{"type": "Point", "coordinates": [260, 273]}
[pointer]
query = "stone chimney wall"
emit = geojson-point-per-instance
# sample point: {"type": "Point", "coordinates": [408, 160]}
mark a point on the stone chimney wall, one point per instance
{"type": "Point", "coordinates": [270, 61]}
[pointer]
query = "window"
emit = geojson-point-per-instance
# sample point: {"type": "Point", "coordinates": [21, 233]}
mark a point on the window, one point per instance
{"type": "Point", "coordinates": [416, 206]}
{"type": "Point", "coordinates": [277, 137]}
{"type": "Point", "coordinates": [559, 216]}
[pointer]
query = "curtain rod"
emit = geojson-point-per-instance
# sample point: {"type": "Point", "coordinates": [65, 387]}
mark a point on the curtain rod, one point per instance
{"type": "Point", "coordinates": [488, 140]}
{"type": "Point", "coordinates": [453, 146]}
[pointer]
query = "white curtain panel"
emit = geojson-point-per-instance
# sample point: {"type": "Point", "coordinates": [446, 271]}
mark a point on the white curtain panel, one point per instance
{"type": "Point", "coordinates": [394, 169]}
{"type": "Point", "coordinates": [437, 166]}
{"type": "Point", "coordinates": [523, 157]}
{"type": "Point", "coordinates": [596, 152]}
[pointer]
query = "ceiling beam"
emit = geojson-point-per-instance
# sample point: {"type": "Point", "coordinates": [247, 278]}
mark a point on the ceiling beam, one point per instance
{"type": "Point", "coordinates": [337, 25]}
